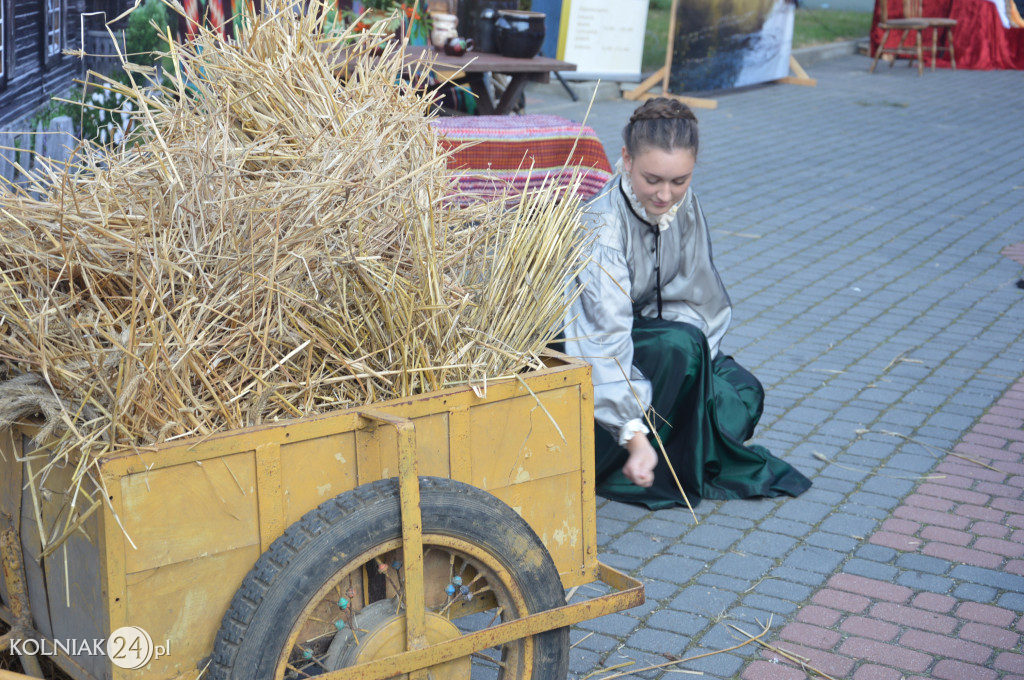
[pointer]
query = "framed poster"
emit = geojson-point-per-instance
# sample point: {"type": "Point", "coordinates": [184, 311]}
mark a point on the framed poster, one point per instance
{"type": "Point", "coordinates": [722, 44]}
{"type": "Point", "coordinates": [604, 39]}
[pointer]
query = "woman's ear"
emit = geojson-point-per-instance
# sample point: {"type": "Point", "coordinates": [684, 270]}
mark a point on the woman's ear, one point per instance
{"type": "Point", "coordinates": [627, 160]}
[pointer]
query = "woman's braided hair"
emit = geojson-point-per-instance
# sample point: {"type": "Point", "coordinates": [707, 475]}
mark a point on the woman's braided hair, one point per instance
{"type": "Point", "coordinates": [661, 123]}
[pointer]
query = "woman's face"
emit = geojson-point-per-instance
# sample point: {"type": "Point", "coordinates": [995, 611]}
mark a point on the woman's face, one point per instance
{"type": "Point", "coordinates": [660, 178]}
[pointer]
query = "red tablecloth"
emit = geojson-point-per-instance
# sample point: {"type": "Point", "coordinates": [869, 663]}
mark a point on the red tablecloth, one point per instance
{"type": "Point", "coordinates": [979, 39]}
{"type": "Point", "coordinates": [521, 151]}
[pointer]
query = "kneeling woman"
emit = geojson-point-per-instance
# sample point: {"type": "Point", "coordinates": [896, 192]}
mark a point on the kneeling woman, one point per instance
{"type": "Point", "coordinates": [650, 319]}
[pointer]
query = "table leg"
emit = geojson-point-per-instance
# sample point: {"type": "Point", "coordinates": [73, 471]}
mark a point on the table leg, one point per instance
{"type": "Point", "coordinates": [512, 94]}
{"type": "Point", "coordinates": [484, 103]}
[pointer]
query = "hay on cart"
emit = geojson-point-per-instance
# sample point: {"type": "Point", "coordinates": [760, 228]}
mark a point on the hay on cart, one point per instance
{"type": "Point", "coordinates": [269, 242]}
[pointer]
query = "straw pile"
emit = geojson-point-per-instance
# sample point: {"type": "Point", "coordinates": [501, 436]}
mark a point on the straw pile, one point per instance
{"type": "Point", "coordinates": [270, 243]}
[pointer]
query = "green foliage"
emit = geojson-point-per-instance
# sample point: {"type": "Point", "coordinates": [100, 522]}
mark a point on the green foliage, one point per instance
{"type": "Point", "coordinates": [95, 111]}
{"type": "Point", "coordinates": [817, 26]}
{"type": "Point", "coordinates": [142, 39]}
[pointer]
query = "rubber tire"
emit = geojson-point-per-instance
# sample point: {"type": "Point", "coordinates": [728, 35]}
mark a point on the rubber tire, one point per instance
{"type": "Point", "coordinates": [263, 612]}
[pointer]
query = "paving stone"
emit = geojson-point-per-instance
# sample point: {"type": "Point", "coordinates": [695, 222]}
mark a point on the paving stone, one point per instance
{"type": "Point", "coordinates": [814, 559]}
{"type": "Point", "coordinates": [620, 562]}
{"type": "Point", "coordinates": [671, 569]}
{"type": "Point", "coordinates": [930, 565]}
{"type": "Point", "coordinates": [659, 641]}
{"type": "Point", "coordinates": [636, 545]}
{"type": "Point", "coordinates": [806, 512]}
{"type": "Point", "coordinates": [742, 566]}
{"type": "Point", "coordinates": [682, 623]}
{"type": "Point", "coordinates": [660, 527]}
{"type": "Point", "coordinates": [766, 544]}
{"type": "Point", "coordinates": [950, 669]}
{"type": "Point", "coordinates": [784, 526]}
{"type": "Point", "coordinates": [616, 625]}
{"type": "Point", "coordinates": [975, 593]}
{"type": "Point", "coordinates": [1014, 601]}
{"type": "Point", "coordinates": [872, 570]}
{"type": "Point", "coordinates": [717, 666]}
{"type": "Point", "coordinates": [582, 662]}
{"type": "Point", "coordinates": [797, 575]}
{"type": "Point", "coordinates": [774, 605]}
{"type": "Point", "coordinates": [709, 602]}
{"type": "Point", "coordinates": [822, 539]}
{"type": "Point", "coordinates": [989, 577]}
{"type": "Point", "coordinates": [595, 642]}
{"type": "Point", "coordinates": [919, 581]}
{"type": "Point", "coordinates": [737, 585]}
{"type": "Point", "coordinates": [877, 553]}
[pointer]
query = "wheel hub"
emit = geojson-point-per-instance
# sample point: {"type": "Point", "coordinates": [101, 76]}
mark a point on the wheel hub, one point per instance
{"type": "Point", "coordinates": [381, 633]}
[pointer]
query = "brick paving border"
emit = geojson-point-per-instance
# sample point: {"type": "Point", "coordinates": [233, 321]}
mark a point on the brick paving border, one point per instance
{"type": "Point", "coordinates": [964, 525]}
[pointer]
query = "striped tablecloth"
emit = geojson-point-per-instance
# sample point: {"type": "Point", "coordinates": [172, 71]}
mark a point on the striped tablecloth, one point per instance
{"type": "Point", "coordinates": [493, 152]}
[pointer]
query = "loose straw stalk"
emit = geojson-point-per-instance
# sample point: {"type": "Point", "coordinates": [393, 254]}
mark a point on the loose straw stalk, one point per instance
{"type": "Point", "coordinates": [272, 241]}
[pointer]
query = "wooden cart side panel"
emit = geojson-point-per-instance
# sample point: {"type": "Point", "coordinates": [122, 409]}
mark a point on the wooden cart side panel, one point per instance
{"type": "Point", "coordinates": [525, 437]}
{"type": "Point", "coordinates": [10, 491]}
{"type": "Point", "coordinates": [587, 477]}
{"type": "Point", "coordinates": [199, 513]}
{"type": "Point", "coordinates": [553, 507]}
{"type": "Point", "coordinates": [179, 513]}
{"type": "Point", "coordinates": [181, 606]}
{"type": "Point", "coordinates": [73, 581]}
{"type": "Point", "coordinates": [286, 432]}
{"type": "Point", "coordinates": [31, 547]}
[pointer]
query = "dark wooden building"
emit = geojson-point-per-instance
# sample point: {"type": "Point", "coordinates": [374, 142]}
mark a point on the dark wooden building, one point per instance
{"type": "Point", "coordinates": [34, 34]}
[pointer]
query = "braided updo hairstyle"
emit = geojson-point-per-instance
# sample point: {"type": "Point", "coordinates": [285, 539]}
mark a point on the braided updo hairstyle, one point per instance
{"type": "Point", "coordinates": [661, 123]}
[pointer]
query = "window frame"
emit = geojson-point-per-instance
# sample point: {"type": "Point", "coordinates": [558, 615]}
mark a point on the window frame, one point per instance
{"type": "Point", "coordinates": [6, 43]}
{"type": "Point", "coordinates": [51, 7]}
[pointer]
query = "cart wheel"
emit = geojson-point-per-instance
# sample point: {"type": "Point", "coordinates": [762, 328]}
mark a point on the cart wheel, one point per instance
{"type": "Point", "coordinates": [330, 592]}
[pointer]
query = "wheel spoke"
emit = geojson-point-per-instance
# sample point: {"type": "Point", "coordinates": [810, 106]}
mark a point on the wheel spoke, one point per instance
{"type": "Point", "coordinates": [484, 657]}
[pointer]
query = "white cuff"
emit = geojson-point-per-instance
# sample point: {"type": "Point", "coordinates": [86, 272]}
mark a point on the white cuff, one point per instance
{"type": "Point", "coordinates": [631, 428]}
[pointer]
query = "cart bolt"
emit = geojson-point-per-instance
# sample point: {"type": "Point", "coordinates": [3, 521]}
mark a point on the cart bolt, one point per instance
{"type": "Point", "coordinates": [339, 624]}
{"type": "Point", "coordinates": [382, 567]}
{"type": "Point", "coordinates": [350, 593]}
{"type": "Point", "coordinates": [450, 589]}
{"type": "Point", "coordinates": [396, 565]}
{"type": "Point", "coordinates": [457, 580]}
{"type": "Point", "coordinates": [343, 603]}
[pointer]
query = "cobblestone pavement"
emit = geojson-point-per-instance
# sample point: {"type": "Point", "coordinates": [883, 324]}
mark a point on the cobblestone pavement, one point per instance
{"type": "Point", "coordinates": [866, 229]}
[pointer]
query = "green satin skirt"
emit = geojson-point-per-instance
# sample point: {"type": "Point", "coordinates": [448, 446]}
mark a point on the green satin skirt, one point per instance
{"type": "Point", "coordinates": [705, 410]}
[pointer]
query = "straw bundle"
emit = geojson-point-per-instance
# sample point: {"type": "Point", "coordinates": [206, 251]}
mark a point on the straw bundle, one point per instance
{"type": "Point", "coordinates": [271, 243]}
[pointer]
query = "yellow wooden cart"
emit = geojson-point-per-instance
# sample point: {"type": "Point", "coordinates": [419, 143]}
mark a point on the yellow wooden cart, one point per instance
{"type": "Point", "coordinates": [431, 537]}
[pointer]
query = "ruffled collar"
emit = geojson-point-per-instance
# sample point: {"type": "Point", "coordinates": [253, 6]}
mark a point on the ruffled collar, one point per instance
{"type": "Point", "coordinates": [664, 220]}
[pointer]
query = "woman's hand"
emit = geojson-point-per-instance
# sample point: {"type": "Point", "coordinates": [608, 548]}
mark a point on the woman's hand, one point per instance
{"type": "Point", "coordinates": [639, 469]}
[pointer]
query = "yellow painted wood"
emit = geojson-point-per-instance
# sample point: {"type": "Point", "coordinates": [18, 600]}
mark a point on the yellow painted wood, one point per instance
{"type": "Point", "coordinates": [459, 444]}
{"type": "Point", "coordinates": [412, 525]}
{"type": "Point", "coordinates": [196, 514]}
{"type": "Point", "coordinates": [190, 511]}
{"type": "Point", "coordinates": [311, 475]}
{"type": "Point", "coordinates": [270, 495]}
{"type": "Point", "coordinates": [516, 440]}
{"type": "Point", "coordinates": [553, 506]}
{"type": "Point", "coordinates": [183, 604]}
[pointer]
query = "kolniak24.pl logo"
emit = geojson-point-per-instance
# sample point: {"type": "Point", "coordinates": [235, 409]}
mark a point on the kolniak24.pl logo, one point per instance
{"type": "Point", "coordinates": [128, 647]}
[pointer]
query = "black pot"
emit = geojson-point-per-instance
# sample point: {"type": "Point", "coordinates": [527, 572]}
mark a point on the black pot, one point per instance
{"type": "Point", "coordinates": [519, 35]}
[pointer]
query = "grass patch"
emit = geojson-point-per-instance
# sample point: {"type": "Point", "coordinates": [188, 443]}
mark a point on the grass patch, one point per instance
{"type": "Point", "coordinates": [811, 27]}
{"type": "Point", "coordinates": [819, 26]}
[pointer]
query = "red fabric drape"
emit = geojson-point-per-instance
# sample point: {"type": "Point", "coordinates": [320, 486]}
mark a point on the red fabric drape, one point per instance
{"type": "Point", "coordinates": [979, 39]}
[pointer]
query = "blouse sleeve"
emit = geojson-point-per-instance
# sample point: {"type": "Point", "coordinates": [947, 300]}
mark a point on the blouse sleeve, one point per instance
{"type": "Point", "coordinates": [599, 330]}
{"type": "Point", "coordinates": [698, 297]}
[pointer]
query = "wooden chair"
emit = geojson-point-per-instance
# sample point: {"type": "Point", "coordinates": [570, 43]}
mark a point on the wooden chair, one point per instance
{"type": "Point", "coordinates": [912, 21]}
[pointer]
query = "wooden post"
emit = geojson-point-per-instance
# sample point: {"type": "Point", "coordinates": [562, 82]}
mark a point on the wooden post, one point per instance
{"type": "Point", "coordinates": [662, 74]}
{"type": "Point", "coordinates": [801, 77]}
